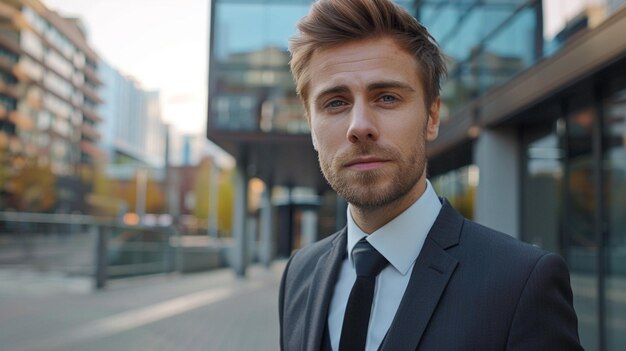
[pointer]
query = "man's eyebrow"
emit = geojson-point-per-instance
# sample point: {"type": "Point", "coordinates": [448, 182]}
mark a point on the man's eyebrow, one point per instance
{"type": "Point", "coordinates": [390, 84]}
{"type": "Point", "coordinates": [338, 89]}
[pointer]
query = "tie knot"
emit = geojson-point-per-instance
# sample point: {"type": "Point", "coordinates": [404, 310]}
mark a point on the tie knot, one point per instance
{"type": "Point", "coordinates": [368, 262]}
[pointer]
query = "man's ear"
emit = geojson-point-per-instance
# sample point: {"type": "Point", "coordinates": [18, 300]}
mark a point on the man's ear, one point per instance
{"type": "Point", "coordinates": [432, 127]}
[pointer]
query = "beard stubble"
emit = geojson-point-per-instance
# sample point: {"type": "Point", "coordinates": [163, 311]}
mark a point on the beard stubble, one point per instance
{"type": "Point", "coordinates": [380, 187]}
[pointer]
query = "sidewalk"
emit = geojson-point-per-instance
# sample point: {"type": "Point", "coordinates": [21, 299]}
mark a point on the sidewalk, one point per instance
{"type": "Point", "coordinates": [203, 311]}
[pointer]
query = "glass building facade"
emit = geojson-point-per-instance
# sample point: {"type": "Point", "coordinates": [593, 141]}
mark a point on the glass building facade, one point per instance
{"type": "Point", "coordinates": [555, 164]}
{"type": "Point", "coordinates": [574, 187]}
{"type": "Point", "coordinates": [251, 86]}
{"type": "Point", "coordinates": [486, 42]}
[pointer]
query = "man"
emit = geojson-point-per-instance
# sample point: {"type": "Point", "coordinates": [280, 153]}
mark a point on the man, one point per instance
{"type": "Point", "coordinates": [408, 272]}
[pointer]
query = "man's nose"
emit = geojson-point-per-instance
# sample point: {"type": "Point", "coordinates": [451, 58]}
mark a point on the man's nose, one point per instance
{"type": "Point", "coordinates": [363, 125]}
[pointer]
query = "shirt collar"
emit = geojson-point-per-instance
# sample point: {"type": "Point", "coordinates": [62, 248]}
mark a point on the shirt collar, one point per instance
{"type": "Point", "coordinates": [400, 240]}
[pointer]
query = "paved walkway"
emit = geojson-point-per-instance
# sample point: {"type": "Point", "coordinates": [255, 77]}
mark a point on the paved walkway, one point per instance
{"type": "Point", "coordinates": [203, 311]}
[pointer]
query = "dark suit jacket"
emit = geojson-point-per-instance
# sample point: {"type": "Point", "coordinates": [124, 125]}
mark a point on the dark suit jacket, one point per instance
{"type": "Point", "coordinates": [471, 288]}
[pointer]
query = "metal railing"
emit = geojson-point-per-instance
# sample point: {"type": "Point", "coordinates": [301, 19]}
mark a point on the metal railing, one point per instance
{"type": "Point", "coordinates": [81, 245]}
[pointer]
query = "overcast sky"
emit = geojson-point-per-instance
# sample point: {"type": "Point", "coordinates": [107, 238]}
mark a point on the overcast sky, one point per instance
{"type": "Point", "coordinates": [162, 43]}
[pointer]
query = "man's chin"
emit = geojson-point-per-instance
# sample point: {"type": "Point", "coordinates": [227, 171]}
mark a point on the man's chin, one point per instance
{"type": "Point", "coordinates": [371, 196]}
{"type": "Point", "coordinates": [371, 177]}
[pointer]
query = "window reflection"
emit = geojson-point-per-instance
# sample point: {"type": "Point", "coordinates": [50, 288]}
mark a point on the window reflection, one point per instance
{"type": "Point", "coordinates": [581, 247]}
{"type": "Point", "coordinates": [487, 42]}
{"type": "Point", "coordinates": [615, 218]}
{"type": "Point", "coordinates": [252, 87]}
{"type": "Point", "coordinates": [459, 187]}
{"type": "Point", "coordinates": [542, 192]}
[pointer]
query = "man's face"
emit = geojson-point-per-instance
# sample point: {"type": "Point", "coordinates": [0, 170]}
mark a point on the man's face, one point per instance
{"type": "Point", "coordinates": [369, 121]}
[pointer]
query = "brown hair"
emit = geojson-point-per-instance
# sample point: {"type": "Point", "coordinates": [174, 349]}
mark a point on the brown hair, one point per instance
{"type": "Point", "coordinates": [333, 22]}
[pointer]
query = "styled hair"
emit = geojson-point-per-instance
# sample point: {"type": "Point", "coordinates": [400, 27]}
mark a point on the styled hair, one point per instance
{"type": "Point", "coordinates": [333, 22]}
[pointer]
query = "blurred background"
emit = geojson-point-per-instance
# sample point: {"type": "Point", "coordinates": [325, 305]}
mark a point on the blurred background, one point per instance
{"type": "Point", "coordinates": [156, 167]}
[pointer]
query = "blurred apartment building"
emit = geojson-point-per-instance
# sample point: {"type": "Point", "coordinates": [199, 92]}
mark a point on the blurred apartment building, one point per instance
{"type": "Point", "coordinates": [532, 141]}
{"type": "Point", "coordinates": [48, 109]}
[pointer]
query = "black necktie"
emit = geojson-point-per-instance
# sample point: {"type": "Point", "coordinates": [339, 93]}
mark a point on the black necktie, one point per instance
{"type": "Point", "coordinates": [368, 263]}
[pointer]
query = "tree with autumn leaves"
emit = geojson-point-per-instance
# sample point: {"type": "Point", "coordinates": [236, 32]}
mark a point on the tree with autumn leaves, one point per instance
{"type": "Point", "coordinates": [112, 197]}
{"type": "Point", "coordinates": [202, 195]}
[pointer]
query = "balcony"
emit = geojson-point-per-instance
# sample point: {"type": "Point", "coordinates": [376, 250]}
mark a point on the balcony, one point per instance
{"type": "Point", "coordinates": [90, 114]}
{"type": "Point", "coordinates": [92, 75]}
{"type": "Point", "coordinates": [90, 93]}
{"type": "Point", "coordinates": [21, 120]}
{"type": "Point", "coordinates": [90, 132]}
{"type": "Point", "coordinates": [92, 150]}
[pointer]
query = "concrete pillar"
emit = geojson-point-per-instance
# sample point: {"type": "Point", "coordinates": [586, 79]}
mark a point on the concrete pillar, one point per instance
{"type": "Point", "coordinates": [240, 221]}
{"type": "Point", "coordinates": [173, 193]}
{"type": "Point", "coordinates": [497, 155]}
{"type": "Point", "coordinates": [309, 227]}
{"type": "Point", "coordinates": [266, 246]}
{"type": "Point", "coordinates": [141, 191]}
{"type": "Point", "coordinates": [251, 244]}
{"type": "Point", "coordinates": [214, 188]}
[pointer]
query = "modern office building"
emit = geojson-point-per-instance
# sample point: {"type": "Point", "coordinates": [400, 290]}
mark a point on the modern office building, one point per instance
{"type": "Point", "coordinates": [133, 131]}
{"type": "Point", "coordinates": [533, 134]}
{"type": "Point", "coordinates": [48, 102]}
{"type": "Point", "coordinates": [255, 115]}
{"type": "Point", "coordinates": [534, 137]}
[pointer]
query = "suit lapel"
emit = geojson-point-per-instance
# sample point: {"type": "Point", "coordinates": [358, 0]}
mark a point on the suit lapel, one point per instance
{"type": "Point", "coordinates": [321, 291]}
{"type": "Point", "coordinates": [431, 273]}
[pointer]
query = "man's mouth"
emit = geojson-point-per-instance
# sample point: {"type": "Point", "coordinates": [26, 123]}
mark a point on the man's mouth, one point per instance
{"type": "Point", "coordinates": [366, 163]}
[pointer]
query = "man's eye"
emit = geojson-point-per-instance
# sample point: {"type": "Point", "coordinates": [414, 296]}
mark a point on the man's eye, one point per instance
{"type": "Point", "coordinates": [335, 104]}
{"type": "Point", "coordinates": [388, 98]}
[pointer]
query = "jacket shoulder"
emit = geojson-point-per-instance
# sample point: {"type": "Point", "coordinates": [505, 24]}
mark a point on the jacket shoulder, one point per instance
{"type": "Point", "coordinates": [305, 258]}
{"type": "Point", "coordinates": [491, 240]}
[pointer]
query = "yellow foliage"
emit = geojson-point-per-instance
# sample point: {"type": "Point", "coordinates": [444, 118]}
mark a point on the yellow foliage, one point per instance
{"type": "Point", "coordinates": [225, 202]}
{"type": "Point", "coordinates": [35, 189]}
{"type": "Point", "coordinates": [202, 192]}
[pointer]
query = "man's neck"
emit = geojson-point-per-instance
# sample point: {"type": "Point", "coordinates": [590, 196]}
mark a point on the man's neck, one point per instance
{"type": "Point", "coordinates": [370, 219]}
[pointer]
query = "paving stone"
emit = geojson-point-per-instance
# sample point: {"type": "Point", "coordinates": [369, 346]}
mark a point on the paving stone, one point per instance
{"type": "Point", "coordinates": [54, 319]}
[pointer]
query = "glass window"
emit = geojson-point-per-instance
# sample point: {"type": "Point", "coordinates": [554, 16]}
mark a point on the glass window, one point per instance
{"type": "Point", "coordinates": [8, 56]}
{"type": "Point", "coordinates": [459, 187]}
{"type": "Point", "coordinates": [7, 103]}
{"type": "Point", "coordinates": [44, 120]}
{"type": "Point", "coordinates": [614, 172]}
{"type": "Point", "coordinates": [32, 44]}
{"type": "Point", "coordinates": [34, 19]}
{"type": "Point", "coordinates": [252, 87]}
{"type": "Point", "coordinates": [58, 85]}
{"type": "Point", "coordinates": [510, 50]}
{"type": "Point", "coordinates": [32, 68]}
{"type": "Point", "coordinates": [7, 78]}
{"type": "Point", "coordinates": [581, 244]}
{"type": "Point", "coordinates": [487, 42]}
{"type": "Point", "coordinates": [59, 64]}
{"type": "Point", "coordinates": [564, 19]}
{"type": "Point", "coordinates": [543, 179]}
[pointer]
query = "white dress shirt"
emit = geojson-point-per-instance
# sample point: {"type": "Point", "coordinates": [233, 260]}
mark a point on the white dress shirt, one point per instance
{"type": "Point", "coordinates": [400, 241]}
